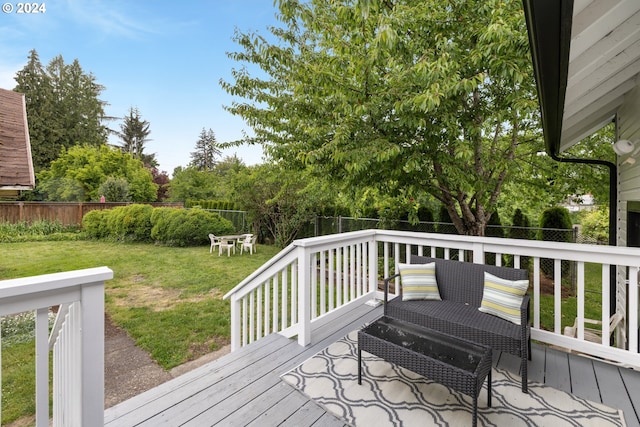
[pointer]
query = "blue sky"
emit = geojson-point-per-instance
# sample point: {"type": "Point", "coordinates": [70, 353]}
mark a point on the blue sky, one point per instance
{"type": "Point", "coordinates": [164, 57]}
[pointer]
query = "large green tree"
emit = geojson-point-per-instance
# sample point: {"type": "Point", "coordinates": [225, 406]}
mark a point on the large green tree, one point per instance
{"type": "Point", "coordinates": [80, 171]}
{"type": "Point", "coordinates": [206, 151]}
{"type": "Point", "coordinates": [421, 95]}
{"type": "Point", "coordinates": [63, 107]}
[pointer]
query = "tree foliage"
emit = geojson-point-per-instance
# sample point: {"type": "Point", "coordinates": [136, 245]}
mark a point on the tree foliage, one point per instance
{"type": "Point", "coordinates": [279, 203]}
{"type": "Point", "coordinates": [206, 151]}
{"type": "Point", "coordinates": [79, 172]}
{"type": "Point", "coordinates": [63, 107]}
{"type": "Point", "coordinates": [134, 133]}
{"type": "Point", "coordinates": [426, 96]}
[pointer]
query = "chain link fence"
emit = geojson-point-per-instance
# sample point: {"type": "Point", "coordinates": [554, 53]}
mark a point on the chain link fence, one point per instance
{"type": "Point", "coordinates": [238, 218]}
{"type": "Point", "coordinates": [332, 225]}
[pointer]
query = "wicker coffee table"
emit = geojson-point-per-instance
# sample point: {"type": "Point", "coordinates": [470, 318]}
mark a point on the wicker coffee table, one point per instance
{"type": "Point", "coordinates": [450, 361]}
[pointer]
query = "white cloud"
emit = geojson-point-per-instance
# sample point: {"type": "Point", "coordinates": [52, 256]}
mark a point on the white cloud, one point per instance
{"type": "Point", "coordinates": [7, 74]}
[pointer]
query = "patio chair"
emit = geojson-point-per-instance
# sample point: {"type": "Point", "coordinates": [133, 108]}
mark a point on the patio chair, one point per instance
{"type": "Point", "coordinates": [215, 241]}
{"type": "Point", "coordinates": [593, 334]}
{"type": "Point", "coordinates": [250, 243]}
{"type": "Point", "coordinates": [227, 244]}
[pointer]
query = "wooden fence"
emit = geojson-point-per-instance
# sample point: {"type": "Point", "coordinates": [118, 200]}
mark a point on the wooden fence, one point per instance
{"type": "Point", "coordinates": [67, 213]}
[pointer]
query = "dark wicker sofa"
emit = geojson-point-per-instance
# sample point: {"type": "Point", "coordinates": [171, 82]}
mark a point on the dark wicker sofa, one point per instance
{"type": "Point", "coordinates": [461, 287]}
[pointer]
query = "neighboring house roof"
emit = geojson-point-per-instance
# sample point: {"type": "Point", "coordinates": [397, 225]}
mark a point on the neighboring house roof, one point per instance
{"type": "Point", "coordinates": [586, 58]}
{"type": "Point", "coordinates": [16, 164]}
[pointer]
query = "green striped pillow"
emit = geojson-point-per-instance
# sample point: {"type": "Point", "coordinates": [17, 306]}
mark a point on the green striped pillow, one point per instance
{"type": "Point", "coordinates": [419, 281]}
{"type": "Point", "coordinates": [503, 297]}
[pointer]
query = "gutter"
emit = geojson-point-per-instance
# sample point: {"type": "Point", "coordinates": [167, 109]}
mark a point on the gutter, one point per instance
{"type": "Point", "coordinates": [549, 25]}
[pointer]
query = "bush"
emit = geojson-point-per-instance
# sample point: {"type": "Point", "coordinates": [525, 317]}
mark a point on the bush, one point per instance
{"type": "Point", "coordinates": [521, 226]}
{"type": "Point", "coordinates": [192, 227]}
{"type": "Point", "coordinates": [595, 224]}
{"type": "Point", "coordinates": [554, 221]}
{"type": "Point", "coordinates": [160, 218]}
{"type": "Point", "coordinates": [131, 223]}
{"type": "Point", "coordinates": [94, 224]}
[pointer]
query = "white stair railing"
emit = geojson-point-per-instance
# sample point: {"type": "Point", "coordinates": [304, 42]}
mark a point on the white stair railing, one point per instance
{"type": "Point", "coordinates": [302, 285]}
{"type": "Point", "coordinates": [77, 340]}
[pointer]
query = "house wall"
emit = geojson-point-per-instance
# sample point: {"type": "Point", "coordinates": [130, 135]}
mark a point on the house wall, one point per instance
{"type": "Point", "coordinates": [628, 174]}
{"type": "Point", "coordinates": [628, 127]}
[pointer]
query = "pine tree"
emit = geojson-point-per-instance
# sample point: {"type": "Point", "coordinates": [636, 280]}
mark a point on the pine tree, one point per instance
{"type": "Point", "coordinates": [204, 158]}
{"type": "Point", "coordinates": [134, 134]}
{"type": "Point", "coordinates": [63, 107]}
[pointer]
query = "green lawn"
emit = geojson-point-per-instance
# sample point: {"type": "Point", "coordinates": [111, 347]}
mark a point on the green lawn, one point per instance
{"type": "Point", "coordinates": [569, 305]}
{"type": "Point", "coordinates": [168, 299]}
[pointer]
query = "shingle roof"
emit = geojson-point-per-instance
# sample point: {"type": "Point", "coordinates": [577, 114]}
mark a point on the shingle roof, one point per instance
{"type": "Point", "coordinates": [16, 165]}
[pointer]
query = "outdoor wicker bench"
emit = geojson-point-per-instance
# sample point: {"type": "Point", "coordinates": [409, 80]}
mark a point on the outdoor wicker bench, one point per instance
{"type": "Point", "coordinates": [458, 364]}
{"type": "Point", "coordinates": [461, 286]}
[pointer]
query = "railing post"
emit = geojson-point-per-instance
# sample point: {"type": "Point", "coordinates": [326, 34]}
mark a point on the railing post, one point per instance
{"type": "Point", "coordinates": [42, 367]}
{"type": "Point", "coordinates": [373, 264]}
{"type": "Point", "coordinates": [235, 323]}
{"type": "Point", "coordinates": [92, 358]}
{"type": "Point", "coordinates": [304, 297]}
{"type": "Point", "coordinates": [478, 253]}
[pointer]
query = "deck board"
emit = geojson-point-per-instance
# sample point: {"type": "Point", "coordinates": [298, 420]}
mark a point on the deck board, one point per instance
{"type": "Point", "coordinates": [244, 387]}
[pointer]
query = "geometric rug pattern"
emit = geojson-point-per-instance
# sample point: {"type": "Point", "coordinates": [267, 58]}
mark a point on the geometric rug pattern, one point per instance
{"type": "Point", "coordinates": [393, 396]}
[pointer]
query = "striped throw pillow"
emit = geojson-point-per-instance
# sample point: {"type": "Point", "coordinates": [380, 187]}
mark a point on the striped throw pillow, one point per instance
{"type": "Point", "coordinates": [419, 281]}
{"type": "Point", "coordinates": [503, 297]}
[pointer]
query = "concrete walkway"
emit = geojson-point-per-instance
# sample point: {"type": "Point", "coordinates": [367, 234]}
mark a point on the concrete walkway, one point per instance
{"type": "Point", "coordinates": [129, 370]}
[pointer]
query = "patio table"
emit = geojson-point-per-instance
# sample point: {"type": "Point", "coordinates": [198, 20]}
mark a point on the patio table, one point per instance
{"type": "Point", "coordinates": [458, 364]}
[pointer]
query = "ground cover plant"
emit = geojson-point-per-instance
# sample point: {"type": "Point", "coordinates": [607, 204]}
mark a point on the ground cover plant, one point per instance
{"type": "Point", "coordinates": [168, 299]}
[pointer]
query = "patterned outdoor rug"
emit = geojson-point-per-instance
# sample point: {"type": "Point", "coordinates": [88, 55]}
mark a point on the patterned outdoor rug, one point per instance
{"type": "Point", "coordinates": [391, 395]}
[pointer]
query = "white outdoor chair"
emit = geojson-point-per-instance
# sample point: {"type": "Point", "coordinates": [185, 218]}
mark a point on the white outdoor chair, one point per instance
{"type": "Point", "coordinates": [215, 241]}
{"type": "Point", "coordinates": [249, 242]}
{"type": "Point", "coordinates": [227, 244]}
{"type": "Point", "coordinates": [593, 334]}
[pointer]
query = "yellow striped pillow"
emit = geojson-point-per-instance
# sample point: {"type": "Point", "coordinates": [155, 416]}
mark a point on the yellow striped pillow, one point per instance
{"type": "Point", "coordinates": [419, 281]}
{"type": "Point", "coordinates": [503, 297]}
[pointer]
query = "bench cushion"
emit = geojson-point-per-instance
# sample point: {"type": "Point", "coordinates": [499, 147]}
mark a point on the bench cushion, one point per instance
{"type": "Point", "coordinates": [461, 320]}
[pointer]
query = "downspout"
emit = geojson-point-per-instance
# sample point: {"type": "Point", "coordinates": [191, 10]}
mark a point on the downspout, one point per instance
{"type": "Point", "coordinates": [549, 24]}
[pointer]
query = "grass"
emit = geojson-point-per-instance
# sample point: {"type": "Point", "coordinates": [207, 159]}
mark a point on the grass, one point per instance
{"type": "Point", "coordinates": [569, 305]}
{"type": "Point", "coordinates": [169, 300]}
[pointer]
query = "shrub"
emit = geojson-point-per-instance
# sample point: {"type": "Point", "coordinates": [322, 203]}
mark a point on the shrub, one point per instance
{"type": "Point", "coordinates": [554, 221]}
{"type": "Point", "coordinates": [94, 224]}
{"type": "Point", "coordinates": [131, 223]}
{"type": "Point", "coordinates": [521, 226]}
{"type": "Point", "coordinates": [595, 224]}
{"type": "Point", "coordinates": [160, 218]}
{"type": "Point", "coordinates": [192, 227]}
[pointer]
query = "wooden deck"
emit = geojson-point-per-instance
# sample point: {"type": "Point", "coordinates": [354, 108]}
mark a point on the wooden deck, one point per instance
{"type": "Point", "coordinates": [244, 388]}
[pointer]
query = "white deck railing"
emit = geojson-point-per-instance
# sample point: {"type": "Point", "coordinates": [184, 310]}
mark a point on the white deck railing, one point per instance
{"type": "Point", "coordinates": [314, 279]}
{"type": "Point", "coordinates": [77, 340]}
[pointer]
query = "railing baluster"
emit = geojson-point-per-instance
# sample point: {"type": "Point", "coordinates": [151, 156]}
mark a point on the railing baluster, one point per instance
{"type": "Point", "coordinates": [294, 293]}
{"type": "Point", "coordinates": [284, 303]}
{"type": "Point", "coordinates": [580, 296]}
{"type": "Point", "coordinates": [260, 313]}
{"type": "Point", "coordinates": [323, 283]}
{"type": "Point", "coordinates": [536, 292]}
{"type": "Point", "coordinates": [332, 299]}
{"type": "Point", "coordinates": [276, 308]}
{"type": "Point", "coordinates": [557, 295]}
{"type": "Point", "coordinates": [314, 285]}
{"type": "Point", "coordinates": [252, 313]}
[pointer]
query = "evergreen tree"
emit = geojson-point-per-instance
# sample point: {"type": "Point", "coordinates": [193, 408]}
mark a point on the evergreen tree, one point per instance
{"type": "Point", "coordinates": [204, 158]}
{"type": "Point", "coordinates": [134, 134]}
{"type": "Point", "coordinates": [62, 106]}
